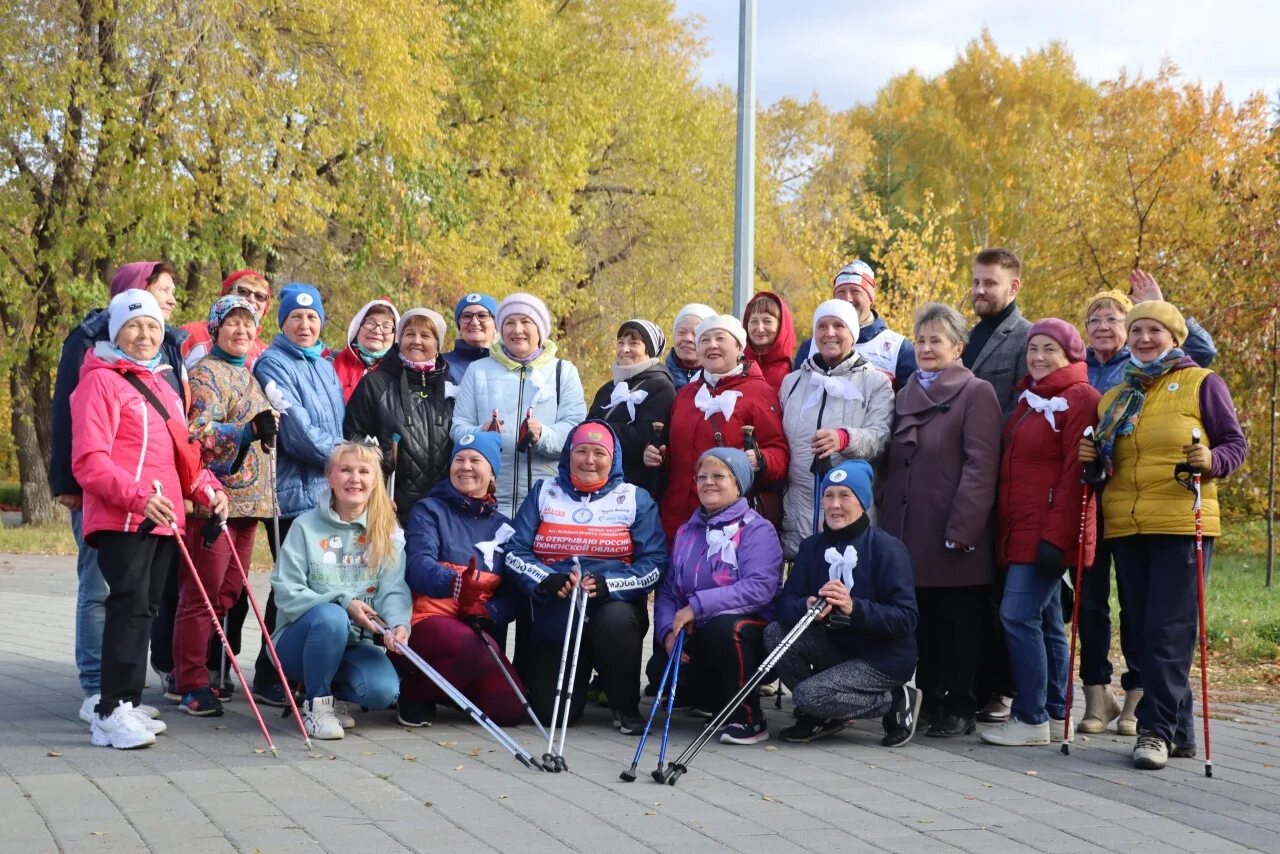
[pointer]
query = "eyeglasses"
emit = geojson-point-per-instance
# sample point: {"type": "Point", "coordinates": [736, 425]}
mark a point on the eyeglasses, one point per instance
{"type": "Point", "coordinates": [715, 477]}
{"type": "Point", "coordinates": [1093, 322]}
{"type": "Point", "coordinates": [257, 296]}
{"type": "Point", "coordinates": [477, 317]}
{"type": "Point", "coordinates": [382, 328]}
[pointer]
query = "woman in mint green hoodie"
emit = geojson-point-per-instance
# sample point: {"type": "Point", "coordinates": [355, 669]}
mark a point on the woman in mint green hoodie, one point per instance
{"type": "Point", "coordinates": [342, 565]}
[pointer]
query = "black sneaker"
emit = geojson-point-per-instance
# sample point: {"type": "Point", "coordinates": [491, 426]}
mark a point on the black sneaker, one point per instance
{"type": "Point", "coordinates": [223, 689]}
{"type": "Point", "coordinates": [903, 717]}
{"type": "Point", "coordinates": [807, 728]}
{"type": "Point", "coordinates": [628, 723]}
{"type": "Point", "coordinates": [269, 695]}
{"type": "Point", "coordinates": [170, 688]}
{"type": "Point", "coordinates": [202, 703]}
{"type": "Point", "coordinates": [951, 726]}
{"type": "Point", "coordinates": [744, 733]}
{"type": "Point", "coordinates": [410, 713]}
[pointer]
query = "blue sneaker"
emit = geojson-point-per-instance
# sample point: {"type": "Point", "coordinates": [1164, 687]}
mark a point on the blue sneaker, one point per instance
{"type": "Point", "coordinates": [744, 733]}
{"type": "Point", "coordinates": [202, 703]}
{"type": "Point", "coordinates": [270, 695]}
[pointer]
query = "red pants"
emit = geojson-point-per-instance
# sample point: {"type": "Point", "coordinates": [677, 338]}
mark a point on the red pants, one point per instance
{"type": "Point", "coordinates": [222, 582]}
{"type": "Point", "coordinates": [457, 651]}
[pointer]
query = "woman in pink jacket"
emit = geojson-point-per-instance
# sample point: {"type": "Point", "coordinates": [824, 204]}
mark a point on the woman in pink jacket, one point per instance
{"type": "Point", "coordinates": [121, 448]}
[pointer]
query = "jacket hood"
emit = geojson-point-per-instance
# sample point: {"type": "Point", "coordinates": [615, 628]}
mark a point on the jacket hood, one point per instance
{"type": "Point", "coordinates": [132, 275]}
{"type": "Point", "coordinates": [1091, 358]}
{"type": "Point", "coordinates": [103, 356]}
{"type": "Point", "coordinates": [95, 324]}
{"type": "Point", "coordinates": [1056, 382]}
{"type": "Point", "coordinates": [785, 344]}
{"type": "Point", "coordinates": [324, 507]}
{"type": "Point", "coordinates": [546, 357]}
{"type": "Point", "coordinates": [471, 508]}
{"type": "Point", "coordinates": [615, 470]}
{"type": "Point", "coordinates": [380, 302]}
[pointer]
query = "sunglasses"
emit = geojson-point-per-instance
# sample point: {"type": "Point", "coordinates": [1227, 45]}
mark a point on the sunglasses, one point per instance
{"type": "Point", "coordinates": [248, 293]}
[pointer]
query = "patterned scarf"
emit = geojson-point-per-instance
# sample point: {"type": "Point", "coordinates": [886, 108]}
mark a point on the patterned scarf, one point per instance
{"type": "Point", "coordinates": [1122, 415]}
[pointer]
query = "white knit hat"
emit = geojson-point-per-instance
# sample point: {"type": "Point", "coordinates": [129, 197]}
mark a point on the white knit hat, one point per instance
{"type": "Point", "coordinates": [693, 309]}
{"type": "Point", "coordinates": [840, 309]}
{"type": "Point", "coordinates": [529, 306]}
{"type": "Point", "coordinates": [127, 305]}
{"type": "Point", "coordinates": [381, 302]}
{"type": "Point", "coordinates": [437, 323]}
{"type": "Point", "coordinates": [728, 323]}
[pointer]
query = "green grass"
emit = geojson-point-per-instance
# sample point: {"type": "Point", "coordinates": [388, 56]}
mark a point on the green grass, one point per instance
{"type": "Point", "coordinates": [1242, 614]}
{"type": "Point", "coordinates": [55, 539]}
{"type": "Point", "coordinates": [10, 492]}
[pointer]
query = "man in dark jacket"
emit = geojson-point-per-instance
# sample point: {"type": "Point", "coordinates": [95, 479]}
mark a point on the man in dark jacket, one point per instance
{"type": "Point", "coordinates": [855, 663]}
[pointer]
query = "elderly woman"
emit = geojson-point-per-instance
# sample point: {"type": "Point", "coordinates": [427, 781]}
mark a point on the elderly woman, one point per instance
{"type": "Point", "coordinates": [129, 438]}
{"type": "Point", "coordinates": [724, 574]}
{"type": "Point", "coordinates": [937, 494]}
{"type": "Point", "coordinates": [341, 568]}
{"type": "Point", "coordinates": [1039, 531]}
{"type": "Point", "coordinates": [409, 396]}
{"type": "Point", "coordinates": [682, 361]}
{"type": "Point", "coordinates": [589, 527]}
{"type": "Point", "coordinates": [639, 396]}
{"type": "Point", "coordinates": [231, 420]}
{"type": "Point", "coordinates": [474, 318]}
{"type": "Point", "coordinates": [857, 665]}
{"type": "Point", "coordinates": [711, 412]}
{"type": "Point", "coordinates": [453, 564]}
{"type": "Point", "coordinates": [1145, 430]}
{"type": "Point", "coordinates": [369, 338]}
{"type": "Point", "coordinates": [526, 393]}
{"type": "Point", "coordinates": [771, 336]}
{"type": "Point", "coordinates": [838, 406]}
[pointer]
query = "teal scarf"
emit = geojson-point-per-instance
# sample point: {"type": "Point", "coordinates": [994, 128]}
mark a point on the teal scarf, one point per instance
{"type": "Point", "coordinates": [150, 365]}
{"type": "Point", "coordinates": [237, 361]}
{"type": "Point", "coordinates": [1122, 415]}
{"type": "Point", "coordinates": [370, 357]}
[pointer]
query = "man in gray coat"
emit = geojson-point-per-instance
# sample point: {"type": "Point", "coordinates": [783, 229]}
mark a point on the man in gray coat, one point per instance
{"type": "Point", "coordinates": [997, 348]}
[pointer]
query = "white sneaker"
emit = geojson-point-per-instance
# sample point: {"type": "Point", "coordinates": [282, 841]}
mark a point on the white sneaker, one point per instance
{"type": "Point", "coordinates": [123, 730]}
{"type": "Point", "coordinates": [318, 717]}
{"type": "Point", "coordinates": [1014, 733]}
{"type": "Point", "coordinates": [1055, 729]}
{"type": "Point", "coordinates": [89, 708]}
{"type": "Point", "coordinates": [151, 712]}
{"type": "Point", "coordinates": [155, 726]}
{"type": "Point", "coordinates": [1150, 753]}
{"type": "Point", "coordinates": [342, 711]}
{"type": "Point", "coordinates": [89, 711]}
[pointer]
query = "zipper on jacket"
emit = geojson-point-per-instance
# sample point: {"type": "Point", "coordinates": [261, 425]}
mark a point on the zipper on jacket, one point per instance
{"type": "Point", "coordinates": [142, 458]}
{"type": "Point", "coordinates": [515, 448]}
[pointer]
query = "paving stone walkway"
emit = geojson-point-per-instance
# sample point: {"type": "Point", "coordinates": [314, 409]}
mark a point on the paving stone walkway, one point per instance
{"type": "Point", "coordinates": [208, 785]}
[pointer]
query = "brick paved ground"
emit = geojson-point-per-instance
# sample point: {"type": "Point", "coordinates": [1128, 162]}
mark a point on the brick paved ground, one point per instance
{"type": "Point", "coordinates": [207, 786]}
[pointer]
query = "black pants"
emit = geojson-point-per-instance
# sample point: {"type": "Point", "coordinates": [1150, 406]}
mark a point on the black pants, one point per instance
{"type": "Point", "coordinates": [166, 614]}
{"type": "Point", "coordinates": [995, 677]}
{"type": "Point", "coordinates": [949, 636]}
{"type": "Point", "coordinates": [135, 567]}
{"type": "Point", "coordinates": [611, 644]}
{"type": "Point", "coordinates": [723, 655]}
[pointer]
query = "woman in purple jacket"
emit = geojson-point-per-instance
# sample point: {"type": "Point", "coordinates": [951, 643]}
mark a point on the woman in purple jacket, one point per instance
{"type": "Point", "coordinates": [725, 571]}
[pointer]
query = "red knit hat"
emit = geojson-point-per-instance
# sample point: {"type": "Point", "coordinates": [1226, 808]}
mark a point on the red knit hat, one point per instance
{"type": "Point", "coordinates": [1067, 336]}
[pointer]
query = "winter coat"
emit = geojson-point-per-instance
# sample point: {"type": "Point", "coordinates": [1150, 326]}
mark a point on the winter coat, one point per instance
{"type": "Point", "coordinates": [120, 446]}
{"type": "Point", "coordinates": [862, 406]}
{"type": "Point", "coordinates": [461, 357]}
{"type": "Point", "coordinates": [882, 627]}
{"type": "Point", "coordinates": [939, 477]}
{"type": "Point", "coordinates": [80, 340]}
{"type": "Point", "coordinates": [613, 532]}
{"type": "Point", "coordinates": [1003, 358]}
{"type": "Point", "coordinates": [891, 352]}
{"type": "Point", "coordinates": [636, 433]}
{"type": "Point", "coordinates": [323, 559]}
{"type": "Point", "coordinates": [309, 429]}
{"type": "Point", "coordinates": [416, 405]}
{"type": "Point", "coordinates": [775, 363]}
{"type": "Point", "coordinates": [349, 363]}
{"type": "Point", "coordinates": [446, 531]}
{"type": "Point", "coordinates": [1199, 347]}
{"type": "Point", "coordinates": [549, 384]}
{"type": "Point", "coordinates": [224, 400]}
{"type": "Point", "coordinates": [690, 433]}
{"type": "Point", "coordinates": [712, 582]}
{"type": "Point", "coordinates": [1040, 487]}
{"type": "Point", "coordinates": [680, 375]}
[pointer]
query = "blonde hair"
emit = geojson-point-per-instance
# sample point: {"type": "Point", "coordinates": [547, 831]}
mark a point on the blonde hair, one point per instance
{"type": "Point", "coordinates": [380, 515]}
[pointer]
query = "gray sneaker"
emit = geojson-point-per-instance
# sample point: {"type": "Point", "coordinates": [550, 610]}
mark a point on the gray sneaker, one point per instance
{"type": "Point", "coordinates": [1150, 753]}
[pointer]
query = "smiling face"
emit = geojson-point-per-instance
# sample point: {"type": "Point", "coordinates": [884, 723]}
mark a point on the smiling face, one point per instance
{"type": "Point", "coordinates": [590, 463]}
{"type": "Point", "coordinates": [934, 349]}
{"type": "Point", "coordinates": [840, 507]}
{"type": "Point", "coordinates": [140, 338]}
{"type": "Point", "coordinates": [475, 326]}
{"type": "Point", "coordinates": [471, 474]}
{"type": "Point", "coordinates": [762, 329]}
{"type": "Point", "coordinates": [302, 327]}
{"type": "Point", "coordinates": [629, 349]}
{"type": "Point", "coordinates": [237, 333]}
{"type": "Point", "coordinates": [1149, 339]}
{"type": "Point", "coordinates": [1105, 327]}
{"type": "Point", "coordinates": [164, 291]}
{"type": "Point", "coordinates": [993, 288]}
{"type": "Point", "coordinates": [418, 340]}
{"type": "Point", "coordinates": [377, 331]}
{"type": "Point", "coordinates": [834, 339]}
{"type": "Point", "coordinates": [686, 341]}
{"type": "Point", "coordinates": [1044, 356]}
{"type": "Point", "coordinates": [352, 480]}
{"type": "Point", "coordinates": [860, 299]}
{"type": "Point", "coordinates": [520, 334]}
{"type": "Point", "coordinates": [718, 351]}
{"type": "Point", "coordinates": [716, 487]}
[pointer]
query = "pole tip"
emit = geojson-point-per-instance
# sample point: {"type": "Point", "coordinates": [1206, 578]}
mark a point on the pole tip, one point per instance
{"type": "Point", "coordinates": [1066, 749]}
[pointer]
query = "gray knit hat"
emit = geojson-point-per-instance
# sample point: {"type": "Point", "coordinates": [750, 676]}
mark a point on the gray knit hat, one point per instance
{"type": "Point", "coordinates": [737, 462]}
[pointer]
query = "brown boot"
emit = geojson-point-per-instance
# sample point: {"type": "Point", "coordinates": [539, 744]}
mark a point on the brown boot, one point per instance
{"type": "Point", "coordinates": [1100, 709]}
{"type": "Point", "coordinates": [1127, 723]}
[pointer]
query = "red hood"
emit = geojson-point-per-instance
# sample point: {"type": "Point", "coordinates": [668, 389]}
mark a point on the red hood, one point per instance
{"type": "Point", "coordinates": [779, 354]}
{"type": "Point", "coordinates": [132, 275]}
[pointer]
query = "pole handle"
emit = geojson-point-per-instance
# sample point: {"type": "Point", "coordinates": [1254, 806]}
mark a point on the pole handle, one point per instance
{"type": "Point", "coordinates": [1195, 435]}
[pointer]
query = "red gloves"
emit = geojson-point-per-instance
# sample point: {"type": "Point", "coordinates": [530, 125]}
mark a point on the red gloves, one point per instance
{"type": "Point", "coordinates": [469, 593]}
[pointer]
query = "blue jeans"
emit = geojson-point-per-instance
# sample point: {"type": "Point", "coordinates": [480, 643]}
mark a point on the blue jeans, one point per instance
{"type": "Point", "coordinates": [91, 610]}
{"type": "Point", "coordinates": [1031, 613]}
{"type": "Point", "coordinates": [314, 650]}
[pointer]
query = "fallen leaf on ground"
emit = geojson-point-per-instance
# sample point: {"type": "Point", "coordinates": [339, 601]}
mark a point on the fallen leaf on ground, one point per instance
{"type": "Point", "coordinates": [427, 804]}
{"type": "Point", "coordinates": [259, 750]}
{"type": "Point", "coordinates": [446, 743]}
{"type": "Point", "coordinates": [502, 797]}
{"type": "Point", "coordinates": [53, 753]}
{"type": "Point", "coordinates": [220, 726]}
{"type": "Point", "coordinates": [765, 798]}
{"type": "Point", "coordinates": [475, 751]}
{"type": "Point", "coordinates": [97, 833]}
{"type": "Point", "coordinates": [408, 757]}
{"type": "Point", "coordinates": [457, 768]}
{"type": "Point", "coordinates": [648, 812]}
{"type": "Point", "coordinates": [1033, 773]}
{"type": "Point", "coordinates": [772, 748]}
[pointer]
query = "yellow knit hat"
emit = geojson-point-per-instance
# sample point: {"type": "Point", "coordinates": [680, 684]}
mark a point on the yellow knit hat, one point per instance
{"type": "Point", "coordinates": [1120, 298]}
{"type": "Point", "coordinates": [1164, 313]}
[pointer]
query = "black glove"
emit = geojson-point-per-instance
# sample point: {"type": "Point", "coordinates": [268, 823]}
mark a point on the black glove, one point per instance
{"type": "Point", "coordinates": [602, 586]}
{"type": "Point", "coordinates": [821, 465]}
{"type": "Point", "coordinates": [1049, 559]}
{"type": "Point", "coordinates": [211, 530]}
{"type": "Point", "coordinates": [265, 428]}
{"type": "Point", "coordinates": [838, 620]}
{"type": "Point", "coordinates": [551, 585]}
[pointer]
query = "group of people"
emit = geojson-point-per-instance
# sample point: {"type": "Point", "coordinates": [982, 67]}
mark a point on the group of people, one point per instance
{"type": "Point", "coordinates": [923, 493]}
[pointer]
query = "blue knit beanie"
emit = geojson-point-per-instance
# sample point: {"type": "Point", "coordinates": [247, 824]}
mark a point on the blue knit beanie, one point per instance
{"type": "Point", "coordinates": [486, 443]}
{"type": "Point", "coordinates": [856, 475]}
{"type": "Point", "coordinates": [297, 295]}
{"type": "Point", "coordinates": [469, 300]}
{"type": "Point", "coordinates": [737, 462]}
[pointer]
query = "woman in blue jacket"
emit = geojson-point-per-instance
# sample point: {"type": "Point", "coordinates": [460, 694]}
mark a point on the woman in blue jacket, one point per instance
{"type": "Point", "coordinates": [855, 662]}
{"type": "Point", "coordinates": [588, 526]}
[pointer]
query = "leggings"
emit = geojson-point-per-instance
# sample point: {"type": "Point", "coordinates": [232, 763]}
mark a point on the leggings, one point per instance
{"type": "Point", "coordinates": [824, 684]}
{"type": "Point", "coordinates": [458, 652]}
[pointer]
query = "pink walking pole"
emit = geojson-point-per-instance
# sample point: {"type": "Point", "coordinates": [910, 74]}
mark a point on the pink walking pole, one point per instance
{"type": "Point", "coordinates": [1204, 640]}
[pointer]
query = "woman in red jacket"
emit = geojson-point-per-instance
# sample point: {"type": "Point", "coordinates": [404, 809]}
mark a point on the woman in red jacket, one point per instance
{"type": "Point", "coordinates": [771, 336]}
{"type": "Point", "coordinates": [369, 337]}
{"type": "Point", "coordinates": [711, 412]}
{"type": "Point", "coordinates": [1039, 527]}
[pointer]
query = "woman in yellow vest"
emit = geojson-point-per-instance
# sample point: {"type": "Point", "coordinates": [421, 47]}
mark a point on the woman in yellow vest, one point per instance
{"type": "Point", "coordinates": [1145, 431]}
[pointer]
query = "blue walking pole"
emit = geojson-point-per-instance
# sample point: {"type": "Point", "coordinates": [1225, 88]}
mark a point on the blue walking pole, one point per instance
{"type": "Point", "coordinates": [659, 774]}
{"type": "Point", "coordinates": [629, 775]}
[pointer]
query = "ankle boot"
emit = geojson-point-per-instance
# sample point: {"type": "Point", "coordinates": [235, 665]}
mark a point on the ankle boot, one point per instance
{"type": "Point", "coordinates": [1100, 709]}
{"type": "Point", "coordinates": [1127, 723]}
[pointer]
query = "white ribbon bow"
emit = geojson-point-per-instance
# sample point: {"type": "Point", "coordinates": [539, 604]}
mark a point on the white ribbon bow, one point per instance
{"type": "Point", "coordinates": [489, 547]}
{"type": "Point", "coordinates": [721, 540]}
{"type": "Point", "coordinates": [838, 387]}
{"type": "Point", "coordinates": [709, 404]}
{"type": "Point", "coordinates": [450, 390]}
{"type": "Point", "coordinates": [842, 564]}
{"type": "Point", "coordinates": [1046, 406]}
{"type": "Point", "coordinates": [623, 394]}
{"type": "Point", "coordinates": [275, 396]}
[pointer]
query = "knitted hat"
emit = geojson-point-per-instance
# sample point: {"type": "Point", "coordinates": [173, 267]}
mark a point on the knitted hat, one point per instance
{"type": "Point", "coordinates": [1120, 298]}
{"type": "Point", "coordinates": [129, 304]}
{"type": "Point", "coordinates": [840, 309]}
{"type": "Point", "coordinates": [856, 475]}
{"type": "Point", "coordinates": [1067, 336]}
{"type": "Point", "coordinates": [655, 340]}
{"type": "Point", "coordinates": [737, 462]}
{"type": "Point", "coordinates": [1164, 313]}
{"type": "Point", "coordinates": [229, 282]}
{"type": "Point", "coordinates": [297, 295]}
{"type": "Point", "coordinates": [225, 305]}
{"type": "Point", "coordinates": [437, 323]}
{"type": "Point", "coordinates": [592, 433]}
{"type": "Point", "coordinates": [728, 323]}
{"type": "Point", "coordinates": [382, 302]}
{"type": "Point", "coordinates": [132, 276]}
{"type": "Point", "coordinates": [532, 308]}
{"type": "Point", "coordinates": [693, 309]}
{"type": "Point", "coordinates": [859, 273]}
{"type": "Point", "coordinates": [488, 445]}
{"type": "Point", "coordinates": [489, 303]}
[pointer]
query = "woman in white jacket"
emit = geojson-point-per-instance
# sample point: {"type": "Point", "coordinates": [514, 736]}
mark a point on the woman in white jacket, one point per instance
{"type": "Point", "coordinates": [837, 407]}
{"type": "Point", "coordinates": [525, 392]}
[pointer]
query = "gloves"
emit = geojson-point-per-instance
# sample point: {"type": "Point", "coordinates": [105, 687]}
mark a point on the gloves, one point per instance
{"type": "Point", "coordinates": [524, 437]}
{"type": "Point", "coordinates": [483, 624]}
{"type": "Point", "coordinates": [551, 585]}
{"type": "Point", "coordinates": [265, 428]}
{"type": "Point", "coordinates": [602, 586]}
{"type": "Point", "coordinates": [211, 530]}
{"type": "Point", "coordinates": [469, 592]}
{"type": "Point", "coordinates": [1049, 559]}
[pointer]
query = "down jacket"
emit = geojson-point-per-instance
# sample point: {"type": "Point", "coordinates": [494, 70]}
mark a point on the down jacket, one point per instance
{"type": "Point", "coordinates": [1040, 486]}
{"type": "Point", "coordinates": [309, 429]}
{"type": "Point", "coordinates": [636, 433]}
{"type": "Point", "coordinates": [417, 405]}
{"type": "Point", "coordinates": [854, 396]}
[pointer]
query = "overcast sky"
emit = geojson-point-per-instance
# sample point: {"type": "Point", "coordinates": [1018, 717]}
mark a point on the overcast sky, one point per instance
{"type": "Point", "coordinates": [844, 51]}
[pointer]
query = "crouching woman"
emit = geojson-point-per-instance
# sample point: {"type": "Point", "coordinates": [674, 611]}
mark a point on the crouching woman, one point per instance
{"type": "Point", "coordinates": [342, 568]}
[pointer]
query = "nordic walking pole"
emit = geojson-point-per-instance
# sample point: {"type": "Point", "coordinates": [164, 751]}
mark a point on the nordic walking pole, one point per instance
{"type": "Point", "coordinates": [677, 651]}
{"type": "Point", "coordinates": [629, 775]}
{"type": "Point", "coordinates": [573, 673]}
{"type": "Point", "coordinates": [655, 475]}
{"type": "Point", "coordinates": [1204, 640]}
{"type": "Point", "coordinates": [549, 758]}
{"type": "Point", "coordinates": [395, 460]}
{"type": "Point", "coordinates": [1085, 497]}
{"type": "Point", "coordinates": [515, 687]}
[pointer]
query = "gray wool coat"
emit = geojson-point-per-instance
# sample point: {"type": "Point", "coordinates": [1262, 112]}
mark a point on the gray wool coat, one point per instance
{"type": "Point", "coordinates": [1003, 359]}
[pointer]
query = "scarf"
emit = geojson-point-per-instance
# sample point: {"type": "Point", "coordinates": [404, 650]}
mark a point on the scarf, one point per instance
{"type": "Point", "coordinates": [312, 353]}
{"type": "Point", "coordinates": [370, 357]}
{"type": "Point", "coordinates": [421, 367]}
{"type": "Point", "coordinates": [237, 361]}
{"type": "Point", "coordinates": [926, 378]}
{"type": "Point", "coordinates": [151, 364]}
{"type": "Point", "coordinates": [712, 379]}
{"type": "Point", "coordinates": [709, 405]}
{"type": "Point", "coordinates": [1045, 406]}
{"type": "Point", "coordinates": [584, 486]}
{"type": "Point", "coordinates": [1122, 415]}
{"type": "Point", "coordinates": [526, 360]}
{"type": "Point", "coordinates": [623, 374]}
{"type": "Point", "coordinates": [840, 564]}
